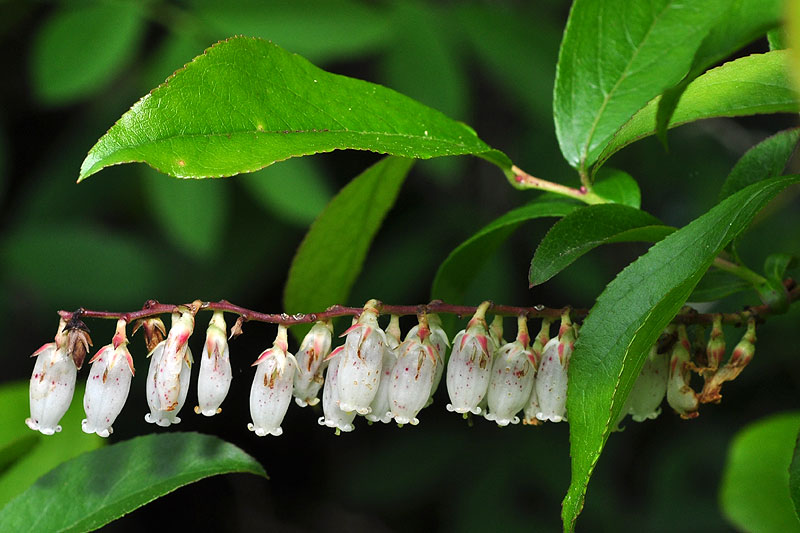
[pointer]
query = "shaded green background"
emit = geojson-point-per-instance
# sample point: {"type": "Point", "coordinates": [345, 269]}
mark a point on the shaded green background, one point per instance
{"type": "Point", "coordinates": [128, 235]}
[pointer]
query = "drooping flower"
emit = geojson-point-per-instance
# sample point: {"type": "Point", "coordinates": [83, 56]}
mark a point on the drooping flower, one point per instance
{"type": "Point", "coordinates": [680, 395]}
{"type": "Point", "coordinates": [108, 384]}
{"type": "Point", "coordinates": [512, 378]}
{"type": "Point", "coordinates": [715, 349]}
{"type": "Point", "coordinates": [532, 407]}
{"type": "Point", "coordinates": [440, 343]}
{"type": "Point", "coordinates": [551, 378]}
{"type": "Point", "coordinates": [648, 391]}
{"type": "Point", "coordinates": [413, 374]}
{"type": "Point", "coordinates": [380, 408]}
{"type": "Point", "coordinates": [310, 358]}
{"type": "Point", "coordinates": [168, 385]}
{"type": "Point", "coordinates": [361, 362]}
{"type": "Point", "coordinates": [470, 365]}
{"type": "Point", "coordinates": [742, 355]}
{"type": "Point", "coordinates": [333, 415]}
{"type": "Point", "coordinates": [157, 415]}
{"type": "Point", "coordinates": [271, 392]}
{"type": "Point", "coordinates": [215, 376]}
{"type": "Point", "coordinates": [52, 384]}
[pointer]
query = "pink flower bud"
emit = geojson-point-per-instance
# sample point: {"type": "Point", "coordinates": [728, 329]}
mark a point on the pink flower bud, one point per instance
{"type": "Point", "coordinates": [412, 377]}
{"type": "Point", "coordinates": [168, 385]}
{"type": "Point", "coordinates": [680, 395]}
{"type": "Point", "coordinates": [52, 384]}
{"type": "Point", "coordinates": [271, 392]}
{"type": "Point", "coordinates": [313, 350]}
{"type": "Point", "coordinates": [157, 415]}
{"type": "Point", "coordinates": [108, 384]}
{"type": "Point", "coordinates": [742, 355]}
{"type": "Point", "coordinates": [360, 364]}
{"type": "Point", "coordinates": [512, 379]}
{"type": "Point", "coordinates": [334, 416]}
{"type": "Point", "coordinates": [215, 375]}
{"type": "Point", "coordinates": [470, 365]}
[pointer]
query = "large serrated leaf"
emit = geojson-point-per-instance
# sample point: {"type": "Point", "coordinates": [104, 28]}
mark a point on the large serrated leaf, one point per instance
{"type": "Point", "coordinates": [747, 86]}
{"type": "Point", "coordinates": [629, 316]}
{"type": "Point", "coordinates": [587, 228]}
{"type": "Point", "coordinates": [117, 479]}
{"type": "Point", "coordinates": [333, 251]}
{"type": "Point", "coordinates": [463, 263]}
{"type": "Point", "coordinates": [247, 103]}
{"type": "Point", "coordinates": [615, 57]}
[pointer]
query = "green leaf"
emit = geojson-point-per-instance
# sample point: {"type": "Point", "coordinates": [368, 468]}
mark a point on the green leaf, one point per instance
{"type": "Point", "coordinates": [79, 50]}
{"type": "Point", "coordinates": [320, 30]}
{"type": "Point", "coordinates": [629, 316]}
{"type": "Point", "coordinates": [295, 190]}
{"type": "Point", "coordinates": [120, 478]}
{"type": "Point", "coordinates": [587, 228]}
{"type": "Point", "coordinates": [67, 265]}
{"type": "Point", "coordinates": [776, 39]}
{"type": "Point", "coordinates": [794, 476]}
{"type": "Point", "coordinates": [331, 256]}
{"type": "Point", "coordinates": [754, 494]}
{"type": "Point", "coordinates": [463, 263]}
{"type": "Point", "coordinates": [776, 265]}
{"type": "Point", "coordinates": [747, 86]}
{"type": "Point", "coordinates": [717, 284]}
{"type": "Point", "coordinates": [25, 454]}
{"type": "Point", "coordinates": [740, 23]}
{"type": "Point", "coordinates": [193, 213]}
{"type": "Point", "coordinates": [247, 103]}
{"type": "Point", "coordinates": [765, 160]}
{"type": "Point", "coordinates": [618, 187]}
{"type": "Point", "coordinates": [615, 57]}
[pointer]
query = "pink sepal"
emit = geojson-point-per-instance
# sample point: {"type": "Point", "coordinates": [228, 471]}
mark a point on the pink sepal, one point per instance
{"type": "Point", "coordinates": [353, 328]}
{"type": "Point", "coordinates": [43, 348]}
{"type": "Point", "coordinates": [334, 353]}
{"type": "Point", "coordinates": [263, 357]}
{"type": "Point", "coordinates": [99, 354]}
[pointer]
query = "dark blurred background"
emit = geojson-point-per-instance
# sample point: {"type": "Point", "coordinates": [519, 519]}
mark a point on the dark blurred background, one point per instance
{"type": "Point", "coordinates": [128, 235]}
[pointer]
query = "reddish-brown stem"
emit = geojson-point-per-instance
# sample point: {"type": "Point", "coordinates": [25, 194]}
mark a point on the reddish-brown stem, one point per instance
{"type": "Point", "coordinates": [153, 308]}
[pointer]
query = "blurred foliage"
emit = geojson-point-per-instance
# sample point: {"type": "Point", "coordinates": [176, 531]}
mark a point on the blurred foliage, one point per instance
{"type": "Point", "coordinates": [110, 243]}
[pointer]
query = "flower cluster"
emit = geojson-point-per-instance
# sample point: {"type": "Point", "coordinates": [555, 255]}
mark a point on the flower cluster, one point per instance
{"type": "Point", "coordinates": [374, 373]}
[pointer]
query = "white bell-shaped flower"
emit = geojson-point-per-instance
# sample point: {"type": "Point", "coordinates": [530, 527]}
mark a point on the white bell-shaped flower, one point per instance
{"type": "Point", "coordinates": [310, 358]}
{"type": "Point", "coordinates": [412, 376]}
{"type": "Point", "coordinates": [108, 385]}
{"type": "Point", "coordinates": [271, 392]}
{"type": "Point", "coordinates": [440, 343]}
{"type": "Point", "coordinates": [680, 395]}
{"type": "Point", "coordinates": [214, 379]}
{"type": "Point", "coordinates": [470, 365]}
{"type": "Point", "coordinates": [52, 384]}
{"type": "Point", "coordinates": [361, 362]}
{"type": "Point", "coordinates": [380, 409]}
{"type": "Point", "coordinates": [168, 384]}
{"type": "Point", "coordinates": [512, 379]}
{"type": "Point", "coordinates": [157, 415]}
{"type": "Point", "coordinates": [648, 391]}
{"type": "Point", "coordinates": [333, 416]}
{"type": "Point", "coordinates": [535, 357]}
{"type": "Point", "coordinates": [551, 377]}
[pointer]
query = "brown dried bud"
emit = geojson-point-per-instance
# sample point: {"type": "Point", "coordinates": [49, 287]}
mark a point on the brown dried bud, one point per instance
{"type": "Point", "coordinates": [78, 340]}
{"type": "Point", "coordinates": [154, 331]}
{"type": "Point", "coordinates": [741, 356]}
{"type": "Point", "coordinates": [236, 330]}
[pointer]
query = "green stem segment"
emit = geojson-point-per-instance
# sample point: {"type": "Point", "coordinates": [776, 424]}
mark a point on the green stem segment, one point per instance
{"type": "Point", "coordinates": [739, 271]}
{"type": "Point", "coordinates": [523, 180]}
